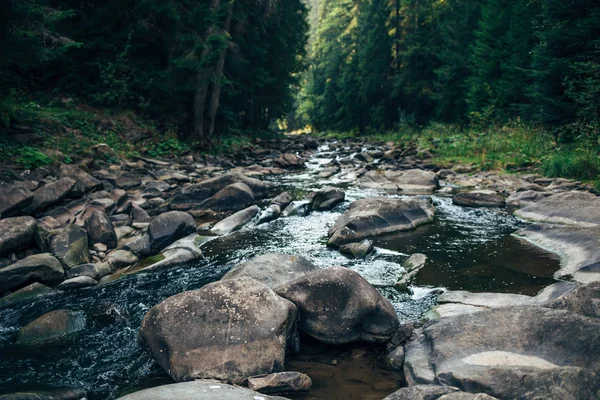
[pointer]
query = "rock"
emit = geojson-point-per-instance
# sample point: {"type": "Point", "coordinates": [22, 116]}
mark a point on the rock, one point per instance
{"type": "Point", "coordinates": [282, 200]}
{"type": "Point", "coordinates": [394, 360]}
{"type": "Point", "coordinates": [52, 328]}
{"type": "Point", "coordinates": [571, 208]}
{"type": "Point", "coordinates": [290, 161]}
{"type": "Point", "coordinates": [583, 300]}
{"type": "Point", "coordinates": [198, 390]}
{"type": "Point", "coordinates": [139, 215]}
{"type": "Point", "coordinates": [327, 173]}
{"type": "Point", "coordinates": [95, 271]}
{"type": "Point", "coordinates": [411, 181]}
{"type": "Point", "coordinates": [168, 228]}
{"type": "Point", "coordinates": [522, 199]}
{"type": "Point", "coordinates": [50, 394]}
{"type": "Point", "coordinates": [228, 330]}
{"type": "Point", "coordinates": [84, 182]}
{"type": "Point", "coordinates": [357, 250]}
{"type": "Point", "coordinates": [191, 196]}
{"type": "Point", "coordinates": [118, 259]}
{"type": "Point", "coordinates": [466, 396]}
{"type": "Point", "coordinates": [77, 283]}
{"type": "Point", "coordinates": [326, 198]}
{"type": "Point", "coordinates": [61, 214]}
{"type": "Point", "coordinates": [41, 268]}
{"type": "Point", "coordinates": [281, 382]}
{"type": "Point", "coordinates": [270, 214]}
{"type": "Point", "coordinates": [297, 208]}
{"type": "Point", "coordinates": [71, 246]}
{"type": "Point", "coordinates": [181, 252]}
{"type": "Point", "coordinates": [273, 269]}
{"type": "Point", "coordinates": [126, 180]}
{"type": "Point", "coordinates": [100, 247]}
{"type": "Point", "coordinates": [101, 230]}
{"type": "Point", "coordinates": [232, 198]}
{"type": "Point", "coordinates": [377, 216]}
{"type": "Point", "coordinates": [235, 222]}
{"type": "Point", "coordinates": [479, 198]}
{"type": "Point", "coordinates": [412, 265]}
{"type": "Point", "coordinates": [422, 392]}
{"type": "Point", "coordinates": [140, 246]}
{"type": "Point", "coordinates": [49, 195]}
{"type": "Point", "coordinates": [337, 305]}
{"type": "Point", "coordinates": [16, 234]}
{"type": "Point", "coordinates": [510, 352]}
{"type": "Point", "coordinates": [27, 293]}
{"type": "Point", "coordinates": [13, 199]}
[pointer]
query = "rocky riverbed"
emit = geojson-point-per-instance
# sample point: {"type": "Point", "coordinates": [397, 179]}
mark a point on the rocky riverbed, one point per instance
{"type": "Point", "coordinates": [302, 268]}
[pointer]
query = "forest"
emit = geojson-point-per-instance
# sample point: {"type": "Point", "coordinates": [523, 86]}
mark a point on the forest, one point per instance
{"type": "Point", "coordinates": [203, 71]}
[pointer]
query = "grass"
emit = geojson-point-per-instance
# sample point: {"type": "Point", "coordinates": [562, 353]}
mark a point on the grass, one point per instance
{"type": "Point", "coordinates": [503, 148]}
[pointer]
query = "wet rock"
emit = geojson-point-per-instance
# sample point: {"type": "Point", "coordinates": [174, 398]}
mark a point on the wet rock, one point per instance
{"type": "Point", "coordinates": [52, 328]}
{"type": "Point", "coordinates": [479, 198]}
{"type": "Point", "coordinates": [232, 198]}
{"type": "Point", "coordinates": [273, 269]}
{"type": "Point", "coordinates": [281, 382]}
{"type": "Point", "coordinates": [412, 181]}
{"type": "Point", "coordinates": [422, 392]}
{"type": "Point", "coordinates": [271, 213]}
{"type": "Point", "coordinates": [509, 353]}
{"type": "Point", "coordinates": [466, 396]}
{"type": "Point", "coordinates": [191, 196]}
{"type": "Point", "coordinates": [570, 208]}
{"type": "Point", "coordinates": [13, 199]}
{"type": "Point", "coordinates": [282, 200]}
{"type": "Point", "coordinates": [357, 250]}
{"type": "Point", "coordinates": [235, 222]}
{"type": "Point", "coordinates": [42, 268]}
{"type": "Point", "coordinates": [101, 230]}
{"type": "Point", "coordinates": [84, 182]}
{"type": "Point", "coordinates": [168, 228]}
{"type": "Point", "coordinates": [377, 216]}
{"type": "Point", "coordinates": [198, 390]}
{"type": "Point", "coordinates": [77, 283]}
{"type": "Point", "coordinates": [26, 294]}
{"type": "Point", "coordinates": [412, 265]}
{"type": "Point", "coordinates": [118, 259]}
{"type": "Point", "coordinates": [338, 306]}
{"type": "Point", "coordinates": [16, 234]}
{"type": "Point", "coordinates": [326, 173]}
{"type": "Point", "coordinates": [49, 195]}
{"type": "Point", "coordinates": [289, 161]}
{"type": "Point", "coordinates": [181, 252]}
{"type": "Point", "coordinates": [71, 246]}
{"type": "Point", "coordinates": [522, 199]}
{"type": "Point", "coordinates": [50, 394]}
{"type": "Point", "coordinates": [228, 330]}
{"type": "Point", "coordinates": [326, 198]}
{"type": "Point", "coordinates": [95, 271]}
{"type": "Point", "coordinates": [297, 208]}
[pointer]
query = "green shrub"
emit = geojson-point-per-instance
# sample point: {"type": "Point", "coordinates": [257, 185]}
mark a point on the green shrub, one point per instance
{"type": "Point", "coordinates": [572, 164]}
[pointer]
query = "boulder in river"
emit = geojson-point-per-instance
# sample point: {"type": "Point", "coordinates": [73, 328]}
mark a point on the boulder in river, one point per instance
{"type": "Point", "coordinates": [378, 216]}
{"type": "Point", "coordinates": [357, 250]}
{"type": "Point", "coordinates": [326, 198]}
{"type": "Point", "coordinates": [232, 198]}
{"type": "Point", "coordinates": [169, 227]}
{"type": "Point", "coordinates": [570, 208]}
{"type": "Point", "coordinates": [52, 328]}
{"type": "Point", "coordinates": [49, 394]}
{"type": "Point", "coordinates": [479, 198]}
{"type": "Point", "coordinates": [410, 181]}
{"type": "Point", "coordinates": [16, 234]}
{"type": "Point", "coordinates": [290, 161]}
{"type": "Point", "coordinates": [101, 230]}
{"type": "Point", "coordinates": [512, 352]}
{"type": "Point", "coordinates": [337, 306]}
{"type": "Point", "coordinates": [70, 246]}
{"type": "Point", "coordinates": [522, 199]}
{"type": "Point", "coordinates": [236, 221]}
{"type": "Point", "coordinates": [227, 330]}
{"type": "Point", "coordinates": [280, 382]}
{"type": "Point", "coordinates": [198, 390]}
{"type": "Point", "coordinates": [50, 194]}
{"type": "Point", "coordinates": [41, 268]}
{"type": "Point", "coordinates": [26, 294]}
{"type": "Point", "coordinates": [412, 265]}
{"type": "Point", "coordinates": [13, 199]}
{"type": "Point", "coordinates": [273, 269]}
{"type": "Point", "coordinates": [422, 392]}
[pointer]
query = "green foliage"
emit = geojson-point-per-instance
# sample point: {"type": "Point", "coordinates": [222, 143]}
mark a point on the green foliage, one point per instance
{"type": "Point", "coordinates": [32, 158]}
{"type": "Point", "coordinates": [167, 147]}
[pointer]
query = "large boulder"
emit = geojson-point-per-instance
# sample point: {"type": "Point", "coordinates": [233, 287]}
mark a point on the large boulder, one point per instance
{"type": "Point", "coordinates": [168, 228]}
{"type": "Point", "coordinates": [41, 268]}
{"type": "Point", "coordinates": [236, 221]}
{"type": "Point", "coordinates": [583, 300]}
{"type": "Point", "coordinates": [101, 230]}
{"type": "Point", "coordinates": [16, 234]}
{"type": "Point", "coordinates": [198, 390]}
{"type": "Point", "coordinates": [377, 216]}
{"type": "Point", "coordinates": [273, 269]}
{"type": "Point", "coordinates": [479, 198]}
{"type": "Point", "coordinates": [13, 199]}
{"type": "Point", "coordinates": [52, 328]}
{"type": "Point", "coordinates": [228, 330]}
{"type": "Point", "coordinates": [520, 352]}
{"type": "Point", "coordinates": [337, 305]}
{"type": "Point", "coordinates": [193, 195]}
{"type": "Point", "coordinates": [570, 208]}
{"type": "Point", "coordinates": [326, 198]}
{"type": "Point", "coordinates": [26, 294]}
{"type": "Point", "coordinates": [410, 181]}
{"type": "Point", "coordinates": [49, 394]}
{"type": "Point", "coordinates": [232, 198]}
{"type": "Point", "coordinates": [290, 161]}
{"type": "Point", "coordinates": [50, 194]}
{"type": "Point", "coordinates": [70, 246]}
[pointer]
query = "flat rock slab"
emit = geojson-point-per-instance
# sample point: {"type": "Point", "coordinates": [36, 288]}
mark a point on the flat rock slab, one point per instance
{"type": "Point", "coordinates": [198, 390]}
{"type": "Point", "coordinates": [479, 198]}
{"type": "Point", "coordinates": [409, 181]}
{"type": "Point", "coordinates": [570, 208]}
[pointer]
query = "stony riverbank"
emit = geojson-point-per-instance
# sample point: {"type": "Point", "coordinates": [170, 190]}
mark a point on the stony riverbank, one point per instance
{"type": "Point", "coordinates": [82, 227]}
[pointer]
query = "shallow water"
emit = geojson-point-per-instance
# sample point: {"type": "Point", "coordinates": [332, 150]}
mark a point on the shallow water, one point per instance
{"type": "Point", "coordinates": [469, 249]}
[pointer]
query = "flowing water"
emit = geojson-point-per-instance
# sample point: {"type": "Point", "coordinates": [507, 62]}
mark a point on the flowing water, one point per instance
{"type": "Point", "coordinates": [469, 249]}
